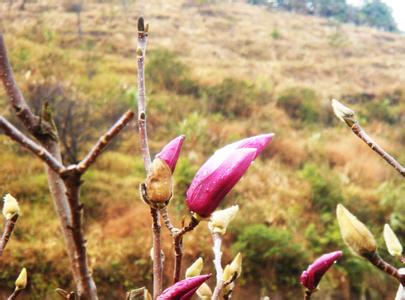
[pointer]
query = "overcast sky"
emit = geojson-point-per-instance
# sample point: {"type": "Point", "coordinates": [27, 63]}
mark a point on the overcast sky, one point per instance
{"type": "Point", "coordinates": [398, 9]}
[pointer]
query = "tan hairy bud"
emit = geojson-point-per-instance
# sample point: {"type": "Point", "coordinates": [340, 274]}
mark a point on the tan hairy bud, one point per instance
{"type": "Point", "coordinates": [344, 113]}
{"type": "Point", "coordinates": [159, 183]}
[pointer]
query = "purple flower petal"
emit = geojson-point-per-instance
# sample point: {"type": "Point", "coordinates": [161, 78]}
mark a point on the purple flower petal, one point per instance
{"type": "Point", "coordinates": [211, 185]}
{"type": "Point", "coordinates": [313, 275]}
{"type": "Point", "coordinates": [171, 152]}
{"type": "Point", "coordinates": [258, 142]}
{"type": "Point", "coordinates": [183, 290]}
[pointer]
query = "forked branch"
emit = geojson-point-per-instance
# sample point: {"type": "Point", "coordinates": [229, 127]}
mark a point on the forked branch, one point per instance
{"type": "Point", "coordinates": [16, 135]}
{"type": "Point", "coordinates": [177, 235]}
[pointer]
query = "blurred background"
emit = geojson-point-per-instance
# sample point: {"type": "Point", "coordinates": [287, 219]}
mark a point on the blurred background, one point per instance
{"type": "Point", "coordinates": [216, 71]}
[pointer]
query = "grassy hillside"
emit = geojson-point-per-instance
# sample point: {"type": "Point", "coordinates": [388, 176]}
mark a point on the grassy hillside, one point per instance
{"type": "Point", "coordinates": [215, 72]}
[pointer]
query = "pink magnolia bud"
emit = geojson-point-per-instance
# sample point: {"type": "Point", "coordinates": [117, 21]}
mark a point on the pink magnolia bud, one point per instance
{"type": "Point", "coordinates": [170, 153]}
{"type": "Point", "coordinates": [221, 172]}
{"type": "Point", "coordinates": [313, 275]}
{"type": "Point", "coordinates": [183, 290]}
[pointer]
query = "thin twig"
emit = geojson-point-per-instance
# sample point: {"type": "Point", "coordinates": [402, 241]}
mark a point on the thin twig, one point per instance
{"type": "Point", "coordinates": [104, 141]}
{"type": "Point", "coordinates": [359, 131]}
{"type": "Point", "coordinates": [16, 135]}
{"type": "Point", "coordinates": [177, 235]}
{"type": "Point", "coordinates": [14, 94]}
{"type": "Point", "coordinates": [142, 38]}
{"type": "Point", "coordinates": [217, 291]}
{"type": "Point", "coordinates": [143, 136]}
{"type": "Point", "coordinates": [157, 259]}
{"type": "Point", "coordinates": [166, 220]}
{"type": "Point", "coordinates": [14, 295]}
{"type": "Point", "coordinates": [217, 240]}
{"type": "Point", "coordinates": [307, 295]}
{"type": "Point", "coordinates": [381, 264]}
{"type": "Point", "coordinates": [8, 230]}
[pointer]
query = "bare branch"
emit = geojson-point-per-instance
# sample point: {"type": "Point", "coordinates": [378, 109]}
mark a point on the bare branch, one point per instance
{"type": "Point", "coordinates": [29, 144]}
{"type": "Point", "coordinates": [359, 131]}
{"type": "Point", "coordinates": [177, 235]}
{"type": "Point", "coordinates": [23, 112]}
{"type": "Point", "coordinates": [104, 141]}
{"type": "Point", "coordinates": [142, 38]}
{"type": "Point", "coordinates": [8, 230]}
{"type": "Point", "coordinates": [14, 295]}
{"type": "Point", "coordinates": [348, 116]}
{"type": "Point", "coordinates": [381, 264]}
{"type": "Point", "coordinates": [157, 258]}
{"type": "Point", "coordinates": [217, 240]}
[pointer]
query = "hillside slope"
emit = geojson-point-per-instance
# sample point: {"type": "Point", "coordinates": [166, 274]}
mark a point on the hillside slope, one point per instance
{"type": "Point", "coordinates": [216, 72]}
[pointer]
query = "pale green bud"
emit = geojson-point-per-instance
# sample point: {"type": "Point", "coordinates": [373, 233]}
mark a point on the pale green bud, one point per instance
{"type": "Point", "coordinates": [355, 234]}
{"type": "Point", "coordinates": [391, 240]}
{"type": "Point", "coordinates": [344, 113]}
{"type": "Point", "coordinates": [220, 219]}
{"type": "Point", "coordinates": [21, 281]}
{"type": "Point", "coordinates": [204, 292]}
{"type": "Point", "coordinates": [10, 207]}
{"type": "Point", "coordinates": [195, 269]}
{"type": "Point", "coordinates": [236, 265]}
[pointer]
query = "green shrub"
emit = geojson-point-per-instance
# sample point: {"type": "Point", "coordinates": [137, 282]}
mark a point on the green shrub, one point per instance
{"type": "Point", "coordinates": [232, 98]}
{"type": "Point", "coordinates": [300, 103]}
{"type": "Point", "coordinates": [165, 70]}
{"type": "Point", "coordinates": [381, 111]}
{"type": "Point", "coordinates": [270, 256]}
{"type": "Point", "coordinates": [325, 188]}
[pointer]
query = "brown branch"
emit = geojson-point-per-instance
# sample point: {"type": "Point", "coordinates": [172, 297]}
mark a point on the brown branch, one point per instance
{"type": "Point", "coordinates": [16, 135]}
{"type": "Point", "coordinates": [71, 178]}
{"type": "Point", "coordinates": [8, 230]}
{"type": "Point", "coordinates": [359, 131]}
{"type": "Point", "coordinates": [307, 295]}
{"type": "Point", "coordinates": [177, 235]}
{"type": "Point", "coordinates": [23, 112]}
{"type": "Point", "coordinates": [104, 141]}
{"type": "Point", "coordinates": [381, 264]}
{"type": "Point", "coordinates": [157, 258]}
{"type": "Point", "coordinates": [142, 38]}
{"type": "Point", "coordinates": [14, 295]}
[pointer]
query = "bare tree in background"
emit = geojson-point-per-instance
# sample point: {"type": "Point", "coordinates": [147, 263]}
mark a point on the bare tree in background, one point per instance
{"type": "Point", "coordinates": [64, 180]}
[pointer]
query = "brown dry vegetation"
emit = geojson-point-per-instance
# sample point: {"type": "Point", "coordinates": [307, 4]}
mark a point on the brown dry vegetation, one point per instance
{"type": "Point", "coordinates": [313, 163]}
